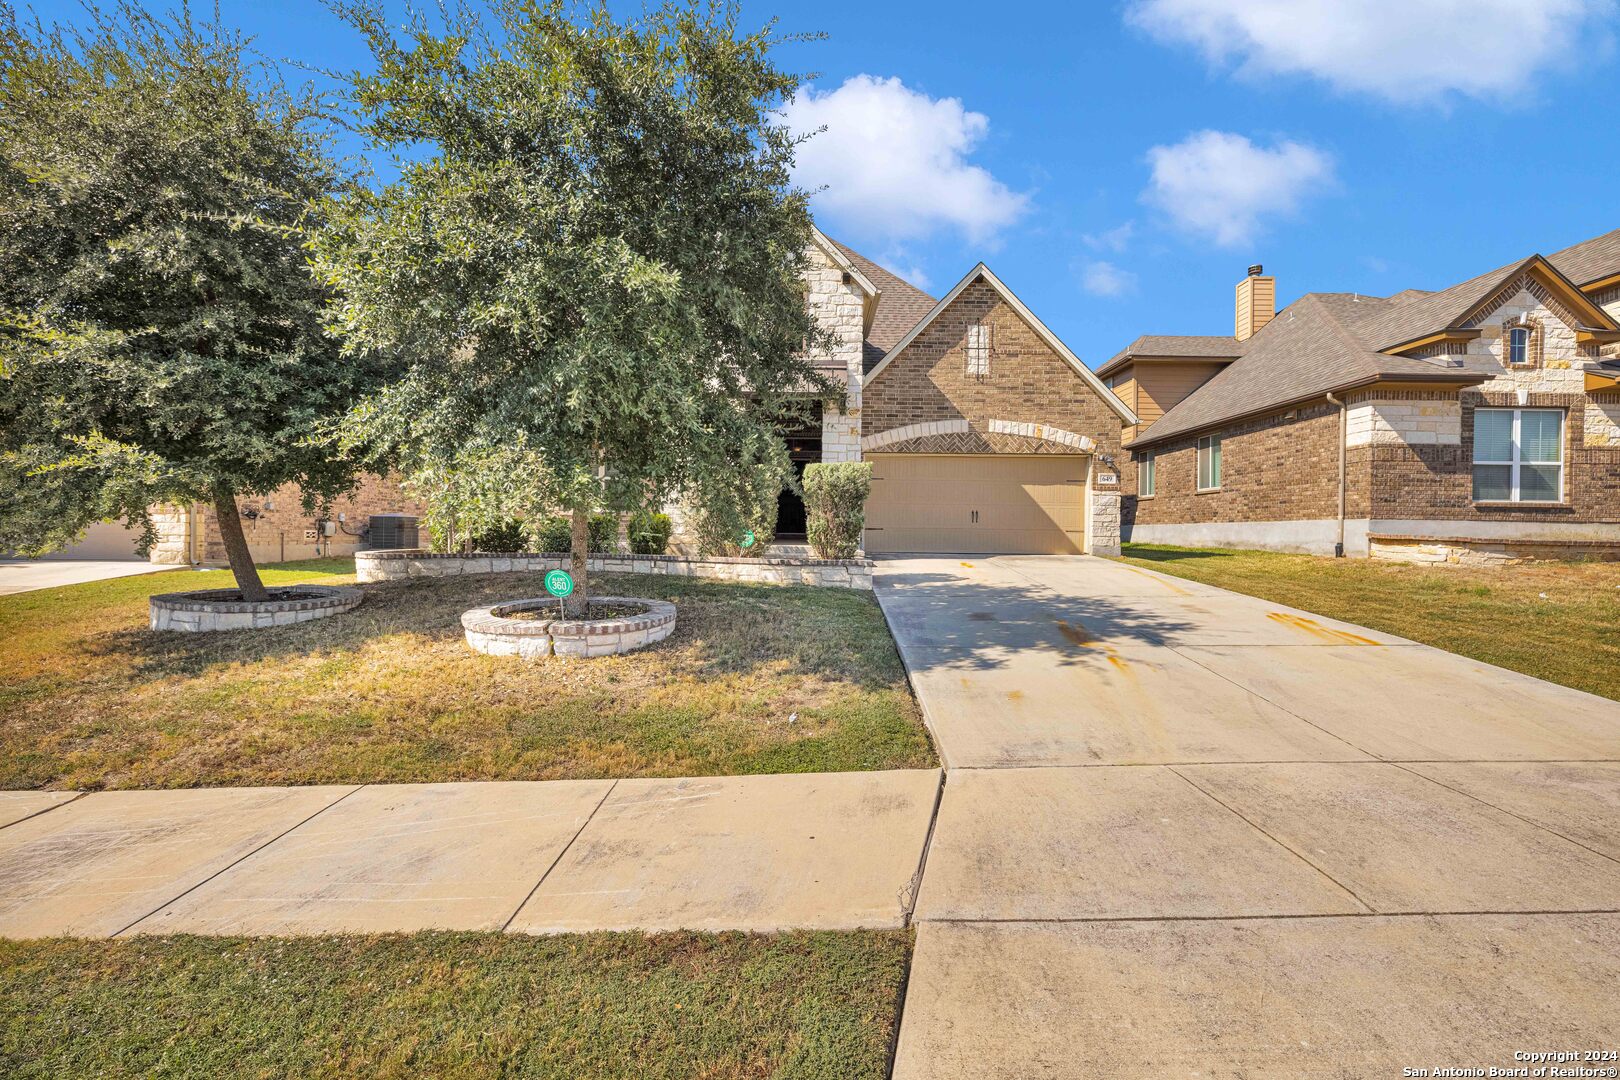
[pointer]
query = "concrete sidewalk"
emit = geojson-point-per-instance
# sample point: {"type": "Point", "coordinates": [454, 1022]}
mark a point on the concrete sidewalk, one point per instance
{"type": "Point", "coordinates": [1190, 833]}
{"type": "Point", "coordinates": [759, 853]}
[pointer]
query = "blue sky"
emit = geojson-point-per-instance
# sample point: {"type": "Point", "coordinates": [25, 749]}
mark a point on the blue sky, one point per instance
{"type": "Point", "coordinates": [1120, 165]}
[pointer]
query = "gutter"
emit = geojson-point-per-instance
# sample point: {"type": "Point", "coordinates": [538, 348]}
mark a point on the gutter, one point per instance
{"type": "Point", "coordinates": [1344, 432]}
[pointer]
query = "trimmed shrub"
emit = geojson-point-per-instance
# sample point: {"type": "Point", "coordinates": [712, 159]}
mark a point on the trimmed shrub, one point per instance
{"type": "Point", "coordinates": [553, 534]}
{"type": "Point", "coordinates": [835, 507]}
{"type": "Point", "coordinates": [650, 532]}
{"type": "Point", "coordinates": [508, 535]}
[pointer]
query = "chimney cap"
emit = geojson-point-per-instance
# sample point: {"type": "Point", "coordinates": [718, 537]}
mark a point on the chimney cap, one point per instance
{"type": "Point", "coordinates": [1256, 270]}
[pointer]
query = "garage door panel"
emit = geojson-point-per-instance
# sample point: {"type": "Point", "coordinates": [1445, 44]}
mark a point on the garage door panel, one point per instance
{"type": "Point", "coordinates": [1024, 504]}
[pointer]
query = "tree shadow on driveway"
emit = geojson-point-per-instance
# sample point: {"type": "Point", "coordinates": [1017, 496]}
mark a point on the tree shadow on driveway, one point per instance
{"type": "Point", "coordinates": [942, 621]}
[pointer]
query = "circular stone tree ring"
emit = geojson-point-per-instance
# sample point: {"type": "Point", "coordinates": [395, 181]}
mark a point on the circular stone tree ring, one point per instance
{"type": "Point", "coordinates": [224, 609]}
{"type": "Point", "coordinates": [495, 630]}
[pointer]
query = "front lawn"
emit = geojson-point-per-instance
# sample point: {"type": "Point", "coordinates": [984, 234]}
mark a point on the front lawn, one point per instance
{"type": "Point", "coordinates": [1558, 621]}
{"type": "Point", "coordinates": [810, 1006]}
{"type": "Point", "coordinates": [756, 678]}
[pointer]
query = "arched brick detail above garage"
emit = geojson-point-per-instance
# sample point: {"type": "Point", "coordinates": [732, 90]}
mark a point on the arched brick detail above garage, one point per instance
{"type": "Point", "coordinates": [993, 437]}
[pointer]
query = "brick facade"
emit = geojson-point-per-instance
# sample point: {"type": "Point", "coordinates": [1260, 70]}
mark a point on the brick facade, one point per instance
{"type": "Point", "coordinates": [1027, 383]}
{"type": "Point", "coordinates": [1426, 483]}
{"type": "Point", "coordinates": [277, 527]}
{"type": "Point", "coordinates": [1283, 467]}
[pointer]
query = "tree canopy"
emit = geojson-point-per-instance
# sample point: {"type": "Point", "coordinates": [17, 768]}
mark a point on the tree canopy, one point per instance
{"type": "Point", "coordinates": [593, 254]}
{"type": "Point", "coordinates": [162, 336]}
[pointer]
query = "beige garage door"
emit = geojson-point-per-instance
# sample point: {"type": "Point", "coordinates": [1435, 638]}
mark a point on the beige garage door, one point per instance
{"type": "Point", "coordinates": [977, 503]}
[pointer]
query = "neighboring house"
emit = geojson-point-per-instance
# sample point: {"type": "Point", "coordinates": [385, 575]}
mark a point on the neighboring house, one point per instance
{"type": "Point", "coordinates": [1479, 421]}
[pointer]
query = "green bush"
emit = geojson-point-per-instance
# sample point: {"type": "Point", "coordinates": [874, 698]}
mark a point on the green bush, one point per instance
{"type": "Point", "coordinates": [508, 535]}
{"type": "Point", "coordinates": [556, 533]}
{"type": "Point", "coordinates": [719, 525]}
{"type": "Point", "coordinates": [835, 507]}
{"type": "Point", "coordinates": [650, 532]}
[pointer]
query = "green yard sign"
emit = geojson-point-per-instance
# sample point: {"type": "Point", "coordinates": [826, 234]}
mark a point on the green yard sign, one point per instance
{"type": "Point", "coordinates": [559, 583]}
{"type": "Point", "coordinates": [748, 539]}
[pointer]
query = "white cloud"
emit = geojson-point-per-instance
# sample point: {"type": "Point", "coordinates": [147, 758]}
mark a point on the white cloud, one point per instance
{"type": "Point", "coordinates": [893, 161]}
{"type": "Point", "coordinates": [1105, 279]}
{"type": "Point", "coordinates": [1220, 185]}
{"type": "Point", "coordinates": [1115, 239]}
{"type": "Point", "coordinates": [1401, 50]}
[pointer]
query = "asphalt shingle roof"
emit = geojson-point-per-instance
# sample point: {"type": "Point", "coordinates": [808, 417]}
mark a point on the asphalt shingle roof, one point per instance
{"type": "Point", "coordinates": [1328, 341]}
{"type": "Point", "coordinates": [1178, 345]}
{"type": "Point", "coordinates": [901, 305]}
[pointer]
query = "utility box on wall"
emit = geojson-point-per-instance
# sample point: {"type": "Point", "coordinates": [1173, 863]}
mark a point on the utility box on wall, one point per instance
{"type": "Point", "coordinates": [388, 531]}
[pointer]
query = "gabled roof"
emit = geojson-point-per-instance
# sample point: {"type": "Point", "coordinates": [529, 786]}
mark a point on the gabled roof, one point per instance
{"type": "Point", "coordinates": [1192, 346]}
{"type": "Point", "coordinates": [1325, 342]}
{"type": "Point", "coordinates": [1401, 324]}
{"type": "Point", "coordinates": [982, 271]}
{"type": "Point", "coordinates": [1303, 353]}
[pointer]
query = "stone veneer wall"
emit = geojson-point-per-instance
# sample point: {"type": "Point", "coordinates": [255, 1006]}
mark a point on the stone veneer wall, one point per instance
{"type": "Point", "coordinates": [1602, 423]}
{"type": "Point", "coordinates": [1383, 422]}
{"type": "Point", "coordinates": [1475, 551]}
{"type": "Point", "coordinates": [406, 564]}
{"type": "Point", "coordinates": [281, 530]}
{"type": "Point", "coordinates": [837, 307]}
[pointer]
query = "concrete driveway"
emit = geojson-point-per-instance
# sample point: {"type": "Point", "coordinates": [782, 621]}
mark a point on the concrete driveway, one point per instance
{"type": "Point", "coordinates": [26, 575]}
{"type": "Point", "coordinates": [1190, 833]}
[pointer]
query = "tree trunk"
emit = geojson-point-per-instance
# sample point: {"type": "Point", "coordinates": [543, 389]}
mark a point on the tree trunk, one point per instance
{"type": "Point", "coordinates": [236, 546]}
{"type": "Point", "coordinates": [577, 605]}
{"type": "Point", "coordinates": [623, 540]}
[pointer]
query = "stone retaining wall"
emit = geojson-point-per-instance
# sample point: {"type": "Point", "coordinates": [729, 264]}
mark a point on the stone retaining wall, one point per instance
{"type": "Point", "coordinates": [207, 609]}
{"type": "Point", "coordinates": [404, 564]}
{"type": "Point", "coordinates": [1470, 551]}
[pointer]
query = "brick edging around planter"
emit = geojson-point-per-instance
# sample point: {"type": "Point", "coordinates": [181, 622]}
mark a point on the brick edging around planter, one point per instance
{"type": "Point", "coordinates": [401, 564]}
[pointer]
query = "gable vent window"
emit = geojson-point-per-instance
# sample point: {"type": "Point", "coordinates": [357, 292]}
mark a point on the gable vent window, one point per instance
{"type": "Point", "coordinates": [1519, 345]}
{"type": "Point", "coordinates": [978, 351]}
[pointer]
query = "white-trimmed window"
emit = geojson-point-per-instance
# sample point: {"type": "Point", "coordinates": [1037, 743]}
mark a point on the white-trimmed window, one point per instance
{"type": "Point", "coordinates": [1518, 455]}
{"type": "Point", "coordinates": [1518, 345]}
{"type": "Point", "coordinates": [1209, 463]}
{"type": "Point", "coordinates": [1146, 476]}
{"type": "Point", "coordinates": [978, 351]}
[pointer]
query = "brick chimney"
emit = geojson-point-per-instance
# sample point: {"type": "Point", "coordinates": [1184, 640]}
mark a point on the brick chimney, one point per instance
{"type": "Point", "coordinates": [1256, 302]}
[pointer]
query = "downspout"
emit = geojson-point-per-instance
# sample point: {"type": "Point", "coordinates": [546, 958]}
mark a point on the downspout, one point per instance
{"type": "Point", "coordinates": [1344, 432]}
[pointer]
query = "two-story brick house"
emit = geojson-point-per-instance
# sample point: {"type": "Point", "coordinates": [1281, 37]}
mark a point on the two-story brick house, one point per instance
{"type": "Point", "coordinates": [988, 434]}
{"type": "Point", "coordinates": [1478, 421]}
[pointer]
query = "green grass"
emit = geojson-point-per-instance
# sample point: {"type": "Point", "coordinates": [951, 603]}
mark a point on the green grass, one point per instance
{"type": "Point", "coordinates": [756, 678]}
{"type": "Point", "coordinates": [1558, 621]}
{"type": "Point", "coordinates": [806, 1005]}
